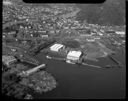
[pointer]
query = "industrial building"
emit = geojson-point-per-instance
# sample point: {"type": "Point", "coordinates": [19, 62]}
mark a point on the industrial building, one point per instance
{"type": "Point", "coordinates": [74, 55]}
{"type": "Point", "coordinates": [56, 47]}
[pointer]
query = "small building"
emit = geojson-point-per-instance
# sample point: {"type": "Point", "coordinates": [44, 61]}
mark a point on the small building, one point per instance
{"type": "Point", "coordinates": [101, 34]}
{"type": "Point", "coordinates": [109, 31]}
{"type": "Point", "coordinates": [102, 30]}
{"type": "Point", "coordinates": [7, 2]}
{"type": "Point", "coordinates": [56, 47]}
{"type": "Point", "coordinates": [95, 38]}
{"type": "Point", "coordinates": [120, 32]}
{"type": "Point", "coordinates": [7, 60]}
{"type": "Point", "coordinates": [74, 55]}
{"type": "Point", "coordinates": [90, 40]}
{"type": "Point", "coordinates": [44, 36]}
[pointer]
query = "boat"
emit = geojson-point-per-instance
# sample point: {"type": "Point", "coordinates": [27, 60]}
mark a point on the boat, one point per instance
{"type": "Point", "coordinates": [48, 57]}
{"type": "Point", "coordinates": [69, 61]}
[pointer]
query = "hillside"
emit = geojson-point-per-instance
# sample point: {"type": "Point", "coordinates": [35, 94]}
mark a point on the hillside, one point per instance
{"type": "Point", "coordinates": [111, 12]}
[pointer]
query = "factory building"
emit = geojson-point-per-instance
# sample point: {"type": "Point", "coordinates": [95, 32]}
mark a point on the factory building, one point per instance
{"type": "Point", "coordinates": [74, 55]}
{"type": "Point", "coordinates": [56, 47]}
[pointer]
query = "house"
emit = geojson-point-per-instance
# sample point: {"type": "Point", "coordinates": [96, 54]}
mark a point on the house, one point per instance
{"type": "Point", "coordinates": [44, 36]}
{"type": "Point", "coordinates": [7, 60]}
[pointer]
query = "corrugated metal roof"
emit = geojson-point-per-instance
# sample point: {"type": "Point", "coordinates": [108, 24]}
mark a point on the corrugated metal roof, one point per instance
{"type": "Point", "coordinates": [56, 47]}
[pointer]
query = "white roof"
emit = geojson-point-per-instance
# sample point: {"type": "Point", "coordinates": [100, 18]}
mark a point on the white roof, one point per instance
{"type": "Point", "coordinates": [90, 40]}
{"type": "Point", "coordinates": [7, 2]}
{"type": "Point", "coordinates": [74, 53]}
{"type": "Point", "coordinates": [120, 32]}
{"type": "Point", "coordinates": [56, 47]}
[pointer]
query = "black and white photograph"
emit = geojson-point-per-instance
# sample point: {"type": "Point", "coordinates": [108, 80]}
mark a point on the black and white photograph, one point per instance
{"type": "Point", "coordinates": [63, 50]}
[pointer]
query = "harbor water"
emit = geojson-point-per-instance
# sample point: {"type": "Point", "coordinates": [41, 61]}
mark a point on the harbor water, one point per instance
{"type": "Point", "coordinates": [84, 82]}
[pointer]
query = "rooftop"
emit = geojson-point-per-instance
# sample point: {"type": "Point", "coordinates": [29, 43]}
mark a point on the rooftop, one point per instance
{"type": "Point", "coordinates": [56, 47]}
{"type": "Point", "coordinates": [120, 32]}
{"type": "Point", "coordinates": [74, 53]}
{"type": "Point", "coordinates": [8, 59]}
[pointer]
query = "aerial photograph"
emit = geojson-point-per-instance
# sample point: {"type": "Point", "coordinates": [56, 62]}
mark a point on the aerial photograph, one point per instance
{"type": "Point", "coordinates": [63, 50]}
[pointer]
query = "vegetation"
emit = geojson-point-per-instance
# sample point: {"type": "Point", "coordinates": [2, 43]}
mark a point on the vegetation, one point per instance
{"type": "Point", "coordinates": [111, 12]}
{"type": "Point", "coordinates": [71, 43]}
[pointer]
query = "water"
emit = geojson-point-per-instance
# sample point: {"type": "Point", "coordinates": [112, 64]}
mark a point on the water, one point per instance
{"type": "Point", "coordinates": [84, 82]}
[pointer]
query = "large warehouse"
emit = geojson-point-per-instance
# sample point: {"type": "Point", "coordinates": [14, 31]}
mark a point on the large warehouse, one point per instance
{"type": "Point", "coordinates": [56, 47]}
{"type": "Point", "coordinates": [74, 55]}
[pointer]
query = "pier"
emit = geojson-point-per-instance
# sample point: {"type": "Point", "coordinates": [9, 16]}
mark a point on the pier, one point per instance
{"type": "Point", "coordinates": [30, 71]}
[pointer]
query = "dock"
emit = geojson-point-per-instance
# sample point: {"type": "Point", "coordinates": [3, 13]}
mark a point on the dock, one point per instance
{"type": "Point", "coordinates": [30, 71]}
